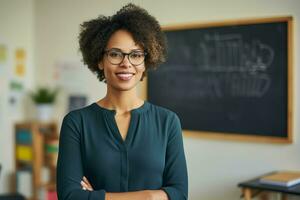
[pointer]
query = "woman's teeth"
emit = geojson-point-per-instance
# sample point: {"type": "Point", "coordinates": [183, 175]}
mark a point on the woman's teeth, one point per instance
{"type": "Point", "coordinates": [125, 76]}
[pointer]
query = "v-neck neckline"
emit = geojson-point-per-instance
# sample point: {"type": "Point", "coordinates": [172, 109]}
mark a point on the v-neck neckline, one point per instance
{"type": "Point", "coordinates": [134, 115]}
{"type": "Point", "coordinates": [116, 130]}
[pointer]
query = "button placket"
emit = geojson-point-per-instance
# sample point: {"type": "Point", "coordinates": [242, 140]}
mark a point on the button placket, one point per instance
{"type": "Point", "coordinates": [124, 169]}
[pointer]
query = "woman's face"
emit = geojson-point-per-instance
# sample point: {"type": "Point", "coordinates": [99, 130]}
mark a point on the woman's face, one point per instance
{"type": "Point", "coordinates": [123, 76]}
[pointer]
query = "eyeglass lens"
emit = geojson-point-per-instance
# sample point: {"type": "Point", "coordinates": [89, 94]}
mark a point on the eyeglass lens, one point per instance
{"type": "Point", "coordinates": [116, 57]}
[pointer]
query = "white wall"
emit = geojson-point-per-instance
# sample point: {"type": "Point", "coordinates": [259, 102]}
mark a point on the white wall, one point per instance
{"type": "Point", "coordinates": [215, 167]}
{"type": "Point", "coordinates": [16, 31]}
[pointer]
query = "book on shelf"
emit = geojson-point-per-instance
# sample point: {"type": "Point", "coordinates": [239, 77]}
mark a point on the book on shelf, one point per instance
{"type": "Point", "coordinates": [51, 195]}
{"type": "Point", "coordinates": [24, 152]}
{"type": "Point", "coordinates": [46, 194]}
{"type": "Point", "coordinates": [282, 178]}
{"type": "Point", "coordinates": [23, 136]}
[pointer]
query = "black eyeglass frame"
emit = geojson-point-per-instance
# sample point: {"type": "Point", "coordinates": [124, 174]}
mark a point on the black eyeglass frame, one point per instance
{"type": "Point", "coordinates": [125, 54]}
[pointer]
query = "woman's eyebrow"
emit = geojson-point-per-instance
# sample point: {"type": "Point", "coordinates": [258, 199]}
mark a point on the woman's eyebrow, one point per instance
{"type": "Point", "coordinates": [118, 49]}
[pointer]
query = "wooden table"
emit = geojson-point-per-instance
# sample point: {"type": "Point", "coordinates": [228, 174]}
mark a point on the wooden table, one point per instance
{"type": "Point", "coordinates": [253, 187]}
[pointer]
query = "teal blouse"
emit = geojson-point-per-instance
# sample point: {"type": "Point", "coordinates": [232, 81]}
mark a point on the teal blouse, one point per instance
{"type": "Point", "coordinates": [150, 158]}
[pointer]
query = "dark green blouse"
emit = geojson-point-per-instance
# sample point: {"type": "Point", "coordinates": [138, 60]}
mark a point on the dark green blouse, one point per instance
{"type": "Point", "coordinates": [150, 158]}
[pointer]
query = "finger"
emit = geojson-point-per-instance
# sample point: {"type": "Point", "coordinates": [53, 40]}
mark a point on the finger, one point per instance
{"type": "Point", "coordinates": [87, 182]}
{"type": "Point", "coordinates": [85, 186]}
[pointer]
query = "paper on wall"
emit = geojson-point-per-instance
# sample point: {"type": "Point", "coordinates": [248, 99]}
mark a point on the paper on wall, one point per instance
{"type": "Point", "coordinates": [3, 60]}
{"type": "Point", "coordinates": [70, 74]}
{"type": "Point", "coordinates": [20, 59]}
{"type": "Point", "coordinates": [15, 95]}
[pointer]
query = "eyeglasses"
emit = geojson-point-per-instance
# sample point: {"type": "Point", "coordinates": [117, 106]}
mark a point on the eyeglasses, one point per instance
{"type": "Point", "coordinates": [116, 56]}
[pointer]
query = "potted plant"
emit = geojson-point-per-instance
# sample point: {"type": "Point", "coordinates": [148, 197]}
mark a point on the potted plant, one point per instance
{"type": "Point", "coordinates": [44, 99]}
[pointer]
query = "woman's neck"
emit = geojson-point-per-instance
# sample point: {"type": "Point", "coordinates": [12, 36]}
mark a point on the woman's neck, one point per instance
{"type": "Point", "coordinates": [122, 102]}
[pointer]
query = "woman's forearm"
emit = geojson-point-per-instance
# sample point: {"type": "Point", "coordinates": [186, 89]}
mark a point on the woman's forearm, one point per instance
{"type": "Point", "coordinates": [138, 195]}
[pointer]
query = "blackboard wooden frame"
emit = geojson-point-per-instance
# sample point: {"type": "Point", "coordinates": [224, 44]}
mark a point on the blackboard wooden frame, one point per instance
{"type": "Point", "coordinates": [236, 136]}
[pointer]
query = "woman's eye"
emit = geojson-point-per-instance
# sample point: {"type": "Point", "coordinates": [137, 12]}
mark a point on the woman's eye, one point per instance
{"type": "Point", "coordinates": [115, 54]}
{"type": "Point", "coordinates": [136, 55]}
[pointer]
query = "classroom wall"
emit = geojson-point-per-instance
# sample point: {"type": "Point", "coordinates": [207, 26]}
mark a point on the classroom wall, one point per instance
{"type": "Point", "coordinates": [215, 166]}
{"type": "Point", "coordinates": [16, 32]}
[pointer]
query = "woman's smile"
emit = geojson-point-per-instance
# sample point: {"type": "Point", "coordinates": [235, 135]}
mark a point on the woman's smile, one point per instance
{"type": "Point", "coordinates": [125, 76]}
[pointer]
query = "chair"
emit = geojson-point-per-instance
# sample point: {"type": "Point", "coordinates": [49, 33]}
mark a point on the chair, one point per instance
{"type": "Point", "coordinates": [10, 196]}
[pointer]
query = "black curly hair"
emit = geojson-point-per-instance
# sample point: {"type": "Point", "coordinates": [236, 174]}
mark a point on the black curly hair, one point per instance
{"type": "Point", "coordinates": [145, 30]}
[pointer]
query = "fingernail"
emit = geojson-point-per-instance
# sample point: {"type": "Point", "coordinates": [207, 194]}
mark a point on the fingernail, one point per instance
{"type": "Point", "coordinates": [83, 188]}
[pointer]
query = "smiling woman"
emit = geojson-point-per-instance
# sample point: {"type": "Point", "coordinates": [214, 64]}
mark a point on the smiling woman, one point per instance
{"type": "Point", "coordinates": [144, 29]}
{"type": "Point", "coordinates": [119, 71]}
{"type": "Point", "coordinates": [122, 147]}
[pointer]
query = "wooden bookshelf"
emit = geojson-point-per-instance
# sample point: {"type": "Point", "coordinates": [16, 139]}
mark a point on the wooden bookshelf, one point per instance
{"type": "Point", "coordinates": [30, 156]}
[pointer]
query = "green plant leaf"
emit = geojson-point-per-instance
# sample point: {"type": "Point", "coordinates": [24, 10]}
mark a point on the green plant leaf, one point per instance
{"type": "Point", "coordinates": [44, 95]}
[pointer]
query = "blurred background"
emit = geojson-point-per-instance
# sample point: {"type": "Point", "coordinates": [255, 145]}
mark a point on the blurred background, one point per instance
{"type": "Point", "coordinates": [39, 48]}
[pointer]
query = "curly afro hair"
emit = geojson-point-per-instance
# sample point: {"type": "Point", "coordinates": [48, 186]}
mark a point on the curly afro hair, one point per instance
{"type": "Point", "coordinates": [145, 29]}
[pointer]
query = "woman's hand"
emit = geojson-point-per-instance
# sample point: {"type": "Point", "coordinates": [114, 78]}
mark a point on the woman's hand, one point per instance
{"type": "Point", "coordinates": [85, 184]}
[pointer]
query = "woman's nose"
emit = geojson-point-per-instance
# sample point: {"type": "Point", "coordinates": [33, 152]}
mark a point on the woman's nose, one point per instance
{"type": "Point", "coordinates": [126, 62]}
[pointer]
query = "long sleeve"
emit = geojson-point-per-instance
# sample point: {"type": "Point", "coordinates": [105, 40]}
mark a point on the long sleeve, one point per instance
{"type": "Point", "coordinates": [175, 180]}
{"type": "Point", "coordinates": [151, 157]}
{"type": "Point", "coordinates": [69, 165]}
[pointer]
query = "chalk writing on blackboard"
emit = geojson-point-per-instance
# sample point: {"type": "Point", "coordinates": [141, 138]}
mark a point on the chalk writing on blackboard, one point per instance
{"type": "Point", "coordinates": [233, 66]}
{"type": "Point", "coordinates": [229, 53]}
{"type": "Point", "coordinates": [227, 79]}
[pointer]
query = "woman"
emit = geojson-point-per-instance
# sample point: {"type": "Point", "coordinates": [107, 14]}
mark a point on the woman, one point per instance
{"type": "Point", "coordinates": [121, 147]}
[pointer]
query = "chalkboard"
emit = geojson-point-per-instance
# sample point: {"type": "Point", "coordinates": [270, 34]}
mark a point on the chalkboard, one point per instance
{"type": "Point", "coordinates": [229, 78]}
